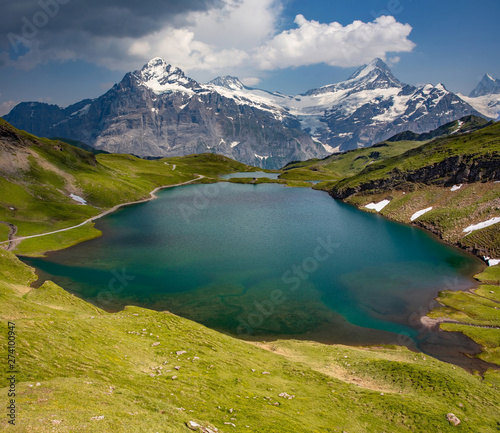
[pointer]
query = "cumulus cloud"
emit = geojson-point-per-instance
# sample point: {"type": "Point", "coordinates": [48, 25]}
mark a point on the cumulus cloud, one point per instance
{"type": "Point", "coordinates": [239, 37]}
{"type": "Point", "coordinates": [250, 81]}
{"type": "Point", "coordinates": [334, 44]}
{"type": "Point", "coordinates": [210, 35]}
{"type": "Point", "coordinates": [215, 40]}
{"type": "Point", "coordinates": [6, 106]}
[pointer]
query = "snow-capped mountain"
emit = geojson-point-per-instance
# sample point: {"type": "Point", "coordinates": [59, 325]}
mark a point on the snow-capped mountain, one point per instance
{"type": "Point", "coordinates": [372, 105]}
{"type": "Point", "coordinates": [159, 111]}
{"type": "Point", "coordinates": [487, 86]}
{"type": "Point", "coordinates": [485, 98]}
{"type": "Point", "coordinates": [368, 107]}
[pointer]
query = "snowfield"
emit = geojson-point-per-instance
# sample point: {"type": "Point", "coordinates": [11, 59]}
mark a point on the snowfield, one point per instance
{"type": "Point", "coordinates": [78, 199]}
{"type": "Point", "coordinates": [420, 213]}
{"type": "Point", "coordinates": [482, 225]}
{"type": "Point", "coordinates": [378, 206]}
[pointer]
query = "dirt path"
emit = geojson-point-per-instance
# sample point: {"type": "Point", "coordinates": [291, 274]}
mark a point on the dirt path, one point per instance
{"type": "Point", "coordinates": [13, 230]}
{"type": "Point", "coordinates": [14, 241]}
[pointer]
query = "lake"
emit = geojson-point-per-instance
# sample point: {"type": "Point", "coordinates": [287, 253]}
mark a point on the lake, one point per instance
{"type": "Point", "coordinates": [264, 261]}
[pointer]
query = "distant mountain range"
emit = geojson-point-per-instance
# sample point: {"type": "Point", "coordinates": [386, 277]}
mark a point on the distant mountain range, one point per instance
{"type": "Point", "coordinates": [159, 111]}
{"type": "Point", "coordinates": [485, 98]}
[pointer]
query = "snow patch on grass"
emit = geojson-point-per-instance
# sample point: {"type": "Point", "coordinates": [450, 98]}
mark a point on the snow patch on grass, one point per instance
{"type": "Point", "coordinates": [420, 213]}
{"type": "Point", "coordinates": [482, 225]}
{"type": "Point", "coordinates": [378, 206]}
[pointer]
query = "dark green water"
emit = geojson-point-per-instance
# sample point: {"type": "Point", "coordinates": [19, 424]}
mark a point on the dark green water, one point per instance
{"type": "Point", "coordinates": [263, 260]}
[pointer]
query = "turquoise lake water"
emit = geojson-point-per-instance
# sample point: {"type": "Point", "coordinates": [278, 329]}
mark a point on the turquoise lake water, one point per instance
{"type": "Point", "coordinates": [265, 261]}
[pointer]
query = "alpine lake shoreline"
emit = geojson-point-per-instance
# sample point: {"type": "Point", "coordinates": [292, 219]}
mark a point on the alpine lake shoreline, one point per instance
{"type": "Point", "coordinates": [428, 320]}
{"type": "Point", "coordinates": [125, 375]}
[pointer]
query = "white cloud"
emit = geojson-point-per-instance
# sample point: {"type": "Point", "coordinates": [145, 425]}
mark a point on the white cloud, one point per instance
{"type": "Point", "coordinates": [236, 37]}
{"type": "Point", "coordinates": [215, 40]}
{"type": "Point", "coordinates": [250, 81]}
{"type": "Point", "coordinates": [334, 44]}
{"type": "Point", "coordinates": [6, 106]}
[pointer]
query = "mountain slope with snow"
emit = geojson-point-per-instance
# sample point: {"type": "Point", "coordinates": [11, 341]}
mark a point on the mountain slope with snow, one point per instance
{"type": "Point", "coordinates": [485, 98]}
{"type": "Point", "coordinates": [158, 111]}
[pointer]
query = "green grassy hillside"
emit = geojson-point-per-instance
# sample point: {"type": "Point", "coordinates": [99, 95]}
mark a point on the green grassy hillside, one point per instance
{"type": "Point", "coordinates": [475, 314]}
{"type": "Point", "coordinates": [38, 175]}
{"type": "Point", "coordinates": [82, 369]}
{"type": "Point", "coordinates": [416, 165]}
{"type": "Point", "coordinates": [341, 165]}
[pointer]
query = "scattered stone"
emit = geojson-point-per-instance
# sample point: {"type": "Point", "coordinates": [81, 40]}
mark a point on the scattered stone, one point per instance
{"type": "Point", "coordinates": [381, 393]}
{"type": "Point", "coordinates": [144, 330]}
{"type": "Point", "coordinates": [97, 418]}
{"type": "Point", "coordinates": [156, 344]}
{"type": "Point", "coordinates": [174, 377]}
{"type": "Point", "coordinates": [266, 372]}
{"type": "Point", "coordinates": [56, 421]}
{"type": "Point", "coordinates": [286, 395]}
{"type": "Point", "coordinates": [177, 368]}
{"type": "Point", "coordinates": [180, 352]}
{"type": "Point", "coordinates": [193, 425]}
{"type": "Point", "coordinates": [195, 358]}
{"type": "Point", "coordinates": [452, 419]}
{"type": "Point", "coordinates": [152, 375]}
{"type": "Point", "coordinates": [253, 370]}
{"type": "Point", "coordinates": [136, 315]}
{"type": "Point", "coordinates": [460, 404]}
{"type": "Point", "coordinates": [180, 409]}
{"type": "Point", "coordinates": [229, 423]}
{"type": "Point", "coordinates": [231, 410]}
{"type": "Point", "coordinates": [38, 384]}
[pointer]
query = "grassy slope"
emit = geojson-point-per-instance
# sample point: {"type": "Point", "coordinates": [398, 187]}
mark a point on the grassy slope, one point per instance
{"type": "Point", "coordinates": [452, 210]}
{"type": "Point", "coordinates": [39, 174]}
{"type": "Point", "coordinates": [477, 314]}
{"type": "Point", "coordinates": [70, 353]}
{"type": "Point", "coordinates": [479, 143]}
{"type": "Point", "coordinates": [64, 343]}
{"type": "Point", "coordinates": [341, 165]}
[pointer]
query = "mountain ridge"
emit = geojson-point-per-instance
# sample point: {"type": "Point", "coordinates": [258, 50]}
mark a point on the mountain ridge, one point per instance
{"type": "Point", "coordinates": [159, 111]}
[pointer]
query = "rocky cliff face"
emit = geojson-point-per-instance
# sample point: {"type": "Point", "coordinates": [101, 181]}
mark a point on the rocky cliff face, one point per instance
{"type": "Point", "coordinates": [158, 111]}
{"type": "Point", "coordinates": [453, 170]}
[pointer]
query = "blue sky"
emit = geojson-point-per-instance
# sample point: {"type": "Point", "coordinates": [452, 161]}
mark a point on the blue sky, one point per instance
{"type": "Point", "coordinates": [62, 51]}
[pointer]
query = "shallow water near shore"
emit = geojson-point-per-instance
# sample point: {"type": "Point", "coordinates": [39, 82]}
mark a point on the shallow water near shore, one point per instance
{"type": "Point", "coordinates": [264, 261]}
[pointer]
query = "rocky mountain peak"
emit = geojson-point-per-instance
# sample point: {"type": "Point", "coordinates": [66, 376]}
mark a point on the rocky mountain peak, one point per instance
{"type": "Point", "coordinates": [374, 75]}
{"type": "Point", "coordinates": [228, 82]}
{"type": "Point", "coordinates": [377, 73]}
{"type": "Point", "coordinates": [161, 77]}
{"type": "Point", "coordinates": [487, 86]}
